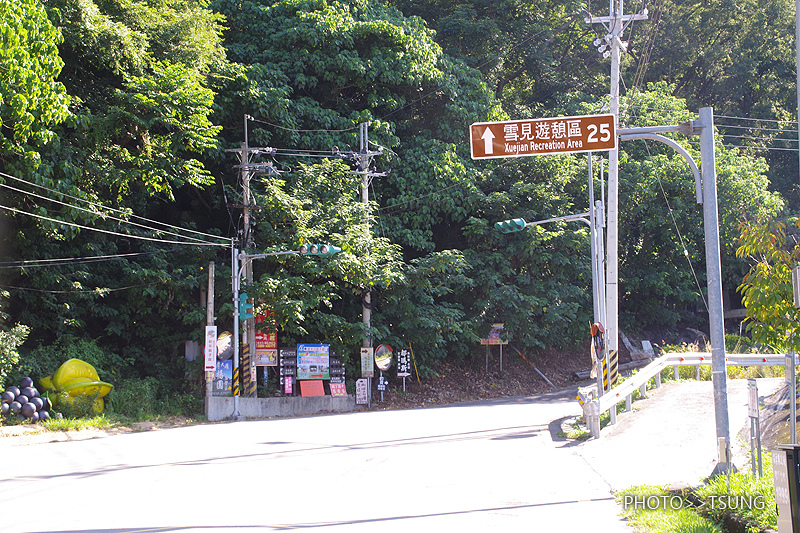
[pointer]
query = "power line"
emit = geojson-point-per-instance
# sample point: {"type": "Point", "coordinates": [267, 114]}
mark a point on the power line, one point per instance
{"type": "Point", "coordinates": [94, 213]}
{"type": "Point", "coordinates": [119, 211]}
{"type": "Point", "coordinates": [126, 235]}
{"type": "Point", "coordinates": [766, 139]}
{"type": "Point", "coordinates": [302, 130]}
{"type": "Point", "coordinates": [70, 260]}
{"type": "Point", "coordinates": [97, 290]}
{"type": "Point", "coordinates": [677, 229]}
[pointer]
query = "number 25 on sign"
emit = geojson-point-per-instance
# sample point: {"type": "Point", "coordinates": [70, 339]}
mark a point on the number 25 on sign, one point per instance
{"type": "Point", "coordinates": [542, 136]}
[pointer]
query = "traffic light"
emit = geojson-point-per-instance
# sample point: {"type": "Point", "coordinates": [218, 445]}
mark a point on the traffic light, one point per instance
{"type": "Point", "coordinates": [324, 250]}
{"type": "Point", "coordinates": [509, 226]}
{"type": "Point", "coordinates": [244, 307]}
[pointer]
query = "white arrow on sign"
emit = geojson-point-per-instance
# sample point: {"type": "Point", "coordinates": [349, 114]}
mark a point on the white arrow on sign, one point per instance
{"type": "Point", "coordinates": [488, 145]}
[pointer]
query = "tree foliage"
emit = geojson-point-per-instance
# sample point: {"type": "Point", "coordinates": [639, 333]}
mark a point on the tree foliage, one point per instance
{"type": "Point", "coordinates": [32, 100]}
{"type": "Point", "coordinates": [767, 287]}
{"type": "Point", "coordinates": [130, 105]}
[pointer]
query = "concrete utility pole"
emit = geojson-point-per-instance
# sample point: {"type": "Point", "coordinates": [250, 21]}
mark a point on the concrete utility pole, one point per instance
{"type": "Point", "coordinates": [248, 384]}
{"type": "Point", "coordinates": [363, 168]}
{"type": "Point", "coordinates": [797, 62]}
{"type": "Point", "coordinates": [615, 24]}
{"type": "Point", "coordinates": [209, 322]}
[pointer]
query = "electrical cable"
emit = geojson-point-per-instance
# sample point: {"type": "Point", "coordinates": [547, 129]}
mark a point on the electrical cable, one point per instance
{"type": "Point", "coordinates": [5, 185]}
{"type": "Point", "coordinates": [766, 139]}
{"type": "Point", "coordinates": [70, 260]}
{"type": "Point", "coordinates": [302, 130]}
{"type": "Point", "coordinates": [677, 229]}
{"type": "Point", "coordinates": [78, 291]}
{"type": "Point", "coordinates": [120, 211]}
{"type": "Point", "coordinates": [107, 232]}
{"type": "Point", "coordinates": [380, 218]}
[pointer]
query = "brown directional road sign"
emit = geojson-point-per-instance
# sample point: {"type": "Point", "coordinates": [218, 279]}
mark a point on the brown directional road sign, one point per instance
{"type": "Point", "coordinates": [541, 136]}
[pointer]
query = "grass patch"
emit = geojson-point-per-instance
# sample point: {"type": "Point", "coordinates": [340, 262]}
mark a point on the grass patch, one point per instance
{"type": "Point", "coordinates": [750, 502]}
{"type": "Point", "coordinates": [577, 431]}
{"type": "Point", "coordinates": [653, 509]}
{"type": "Point", "coordinates": [77, 424]}
{"type": "Point", "coordinates": [751, 499]}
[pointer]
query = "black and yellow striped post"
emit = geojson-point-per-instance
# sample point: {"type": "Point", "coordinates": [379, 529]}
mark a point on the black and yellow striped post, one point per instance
{"type": "Point", "coordinates": [610, 370]}
{"type": "Point", "coordinates": [235, 381]}
{"type": "Point", "coordinates": [248, 383]}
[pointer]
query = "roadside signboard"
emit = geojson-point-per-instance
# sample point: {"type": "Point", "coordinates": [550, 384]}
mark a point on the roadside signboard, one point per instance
{"type": "Point", "coordinates": [362, 392]}
{"type": "Point", "coordinates": [312, 361]}
{"type": "Point", "coordinates": [223, 378]}
{"type": "Point", "coordinates": [542, 136]}
{"type": "Point", "coordinates": [367, 363]}
{"type": "Point", "coordinates": [210, 349]}
{"type": "Point", "coordinates": [752, 398]}
{"type": "Point", "coordinates": [495, 335]}
{"type": "Point", "coordinates": [266, 344]}
{"type": "Point", "coordinates": [403, 363]}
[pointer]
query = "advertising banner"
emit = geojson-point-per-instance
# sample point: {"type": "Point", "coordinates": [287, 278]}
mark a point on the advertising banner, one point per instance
{"type": "Point", "coordinates": [223, 379]}
{"type": "Point", "coordinates": [210, 349]}
{"type": "Point", "coordinates": [313, 361]}
{"type": "Point", "coordinates": [266, 344]}
{"type": "Point", "coordinates": [362, 392]}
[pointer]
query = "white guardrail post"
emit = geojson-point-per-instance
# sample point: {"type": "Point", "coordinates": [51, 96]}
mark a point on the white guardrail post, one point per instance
{"type": "Point", "coordinates": [593, 407]}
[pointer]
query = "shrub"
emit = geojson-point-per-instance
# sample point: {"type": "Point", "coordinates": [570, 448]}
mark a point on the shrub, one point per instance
{"type": "Point", "coordinates": [45, 359]}
{"type": "Point", "coordinates": [9, 342]}
{"type": "Point", "coordinates": [135, 398]}
{"type": "Point", "coordinates": [141, 399]}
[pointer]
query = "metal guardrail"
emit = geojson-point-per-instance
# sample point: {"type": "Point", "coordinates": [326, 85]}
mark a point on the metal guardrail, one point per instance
{"type": "Point", "coordinates": [593, 407]}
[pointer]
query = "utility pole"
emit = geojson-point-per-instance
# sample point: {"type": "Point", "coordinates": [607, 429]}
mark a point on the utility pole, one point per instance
{"type": "Point", "coordinates": [209, 322]}
{"type": "Point", "coordinates": [797, 62]}
{"type": "Point", "coordinates": [612, 45]}
{"type": "Point", "coordinates": [615, 24]}
{"type": "Point", "coordinates": [366, 171]}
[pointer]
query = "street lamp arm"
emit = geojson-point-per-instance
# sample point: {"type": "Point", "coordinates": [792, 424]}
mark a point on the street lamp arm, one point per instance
{"type": "Point", "coordinates": [633, 135]}
{"type": "Point", "coordinates": [246, 258]}
{"type": "Point", "coordinates": [567, 218]}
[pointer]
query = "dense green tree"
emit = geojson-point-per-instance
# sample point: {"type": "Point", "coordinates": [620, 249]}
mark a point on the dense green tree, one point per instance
{"type": "Point", "coordinates": [737, 57]}
{"type": "Point", "coordinates": [662, 247]}
{"type": "Point", "coordinates": [136, 143]}
{"type": "Point", "coordinates": [766, 290]}
{"type": "Point", "coordinates": [315, 70]}
{"type": "Point", "coordinates": [532, 54]}
{"type": "Point", "coordinates": [32, 100]}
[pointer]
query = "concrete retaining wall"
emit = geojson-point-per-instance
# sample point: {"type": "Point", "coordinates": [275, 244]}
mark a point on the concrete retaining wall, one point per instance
{"type": "Point", "coordinates": [221, 408]}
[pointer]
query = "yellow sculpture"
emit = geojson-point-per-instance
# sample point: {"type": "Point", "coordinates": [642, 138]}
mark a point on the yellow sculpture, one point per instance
{"type": "Point", "coordinates": [76, 378]}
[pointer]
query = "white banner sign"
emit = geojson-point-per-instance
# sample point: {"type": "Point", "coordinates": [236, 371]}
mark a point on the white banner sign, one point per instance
{"type": "Point", "coordinates": [210, 348]}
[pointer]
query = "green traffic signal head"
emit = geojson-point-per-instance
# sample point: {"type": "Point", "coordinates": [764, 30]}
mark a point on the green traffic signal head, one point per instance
{"type": "Point", "coordinates": [328, 250]}
{"type": "Point", "coordinates": [509, 226]}
{"type": "Point", "coordinates": [319, 249]}
{"type": "Point", "coordinates": [244, 307]}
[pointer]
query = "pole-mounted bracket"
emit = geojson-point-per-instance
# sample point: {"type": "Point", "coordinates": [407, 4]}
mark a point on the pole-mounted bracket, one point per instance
{"type": "Point", "coordinates": [687, 128]}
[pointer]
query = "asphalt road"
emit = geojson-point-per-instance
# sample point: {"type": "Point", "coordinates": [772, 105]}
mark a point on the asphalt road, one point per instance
{"type": "Point", "coordinates": [473, 467]}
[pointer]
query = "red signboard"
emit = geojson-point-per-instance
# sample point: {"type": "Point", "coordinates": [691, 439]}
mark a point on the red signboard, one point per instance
{"type": "Point", "coordinates": [541, 136]}
{"type": "Point", "coordinates": [266, 344]}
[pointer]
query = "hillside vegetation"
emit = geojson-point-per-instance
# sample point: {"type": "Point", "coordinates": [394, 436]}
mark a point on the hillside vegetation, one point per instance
{"type": "Point", "coordinates": [119, 122]}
